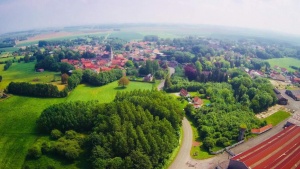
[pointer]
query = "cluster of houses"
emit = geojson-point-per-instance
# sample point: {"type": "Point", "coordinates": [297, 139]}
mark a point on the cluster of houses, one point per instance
{"type": "Point", "coordinates": [196, 101]}
{"type": "Point", "coordinates": [107, 60]}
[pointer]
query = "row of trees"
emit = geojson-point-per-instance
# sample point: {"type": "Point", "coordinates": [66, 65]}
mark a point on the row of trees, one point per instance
{"type": "Point", "coordinates": [138, 129]}
{"type": "Point", "coordinates": [35, 90]}
{"type": "Point", "coordinates": [7, 64]}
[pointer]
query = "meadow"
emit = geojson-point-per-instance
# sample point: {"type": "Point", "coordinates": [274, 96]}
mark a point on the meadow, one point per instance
{"type": "Point", "coordinates": [18, 115]}
{"type": "Point", "coordinates": [284, 62]}
{"type": "Point", "coordinates": [24, 72]}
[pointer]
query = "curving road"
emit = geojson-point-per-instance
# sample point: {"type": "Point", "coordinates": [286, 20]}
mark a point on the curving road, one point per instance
{"type": "Point", "coordinates": [162, 82]}
{"type": "Point", "coordinates": [183, 159]}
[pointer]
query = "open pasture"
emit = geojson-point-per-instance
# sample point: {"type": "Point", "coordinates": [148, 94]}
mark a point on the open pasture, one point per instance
{"type": "Point", "coordinates": [24, 72]}
{"type": "Point", "coordinates": [284, 62]}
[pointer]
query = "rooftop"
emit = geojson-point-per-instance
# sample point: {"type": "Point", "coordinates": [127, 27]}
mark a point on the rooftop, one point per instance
{"type": "Point", "coordinates": [279, 151]}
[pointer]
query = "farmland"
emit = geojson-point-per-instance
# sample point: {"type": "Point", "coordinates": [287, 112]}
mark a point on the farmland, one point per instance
{"type": "Point", "coordinates": [284, 62]}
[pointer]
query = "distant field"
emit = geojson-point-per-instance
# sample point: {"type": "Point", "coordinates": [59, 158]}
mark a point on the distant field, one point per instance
{"type": "Point", "coordinates": [3, 59]}
{"type": "Point", "coordinates": [284, 62]}
{"type": "Point", "coordinates": [58, 36]}
{"type": "Point", "coordinates": [11, 49]}
{"type": "Point", "coordinates": [277, 117]}
{"type": "Point", "coordinates": [128, 36]}
{"type": "Point", "coordinates": [24, 72]}
{"type": "Point", "coordinates": [18, 116]}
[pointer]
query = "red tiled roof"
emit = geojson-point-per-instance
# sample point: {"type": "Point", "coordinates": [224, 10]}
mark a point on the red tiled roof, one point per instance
{"type": "Point", "coordinates": [262, 129]}
{"type": "Point", "coordinates": [279, 151]}
{"type": "Point", "coordinates": [183, 92]}
{"type": "Point", "coordinates": [197, 101]}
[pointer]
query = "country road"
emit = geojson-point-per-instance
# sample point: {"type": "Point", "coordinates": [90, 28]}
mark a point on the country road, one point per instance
{"type": "Point", "coordinates": [184, 153]}
{"type": "Point", "coordinates": [162, 82]}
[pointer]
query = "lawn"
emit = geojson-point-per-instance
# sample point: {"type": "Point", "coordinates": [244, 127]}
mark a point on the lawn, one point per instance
{"type": "Point", "coordinates": [277, 117]}
{"type": "Point", "coordinates": [284, 62]}
{"type": "Point", "coordinates": [18, 116]}
{"type": "Point", "coordinates": [25, 72]}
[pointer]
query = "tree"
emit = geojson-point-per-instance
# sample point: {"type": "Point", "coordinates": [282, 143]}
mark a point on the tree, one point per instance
{"type": "Point", "coordinates": [123, 81]}
{"type": "Point", "coordinates": [129, 63]}
{"type": "Point", "coordinates": [0, 78]}
{"type": "Point", "coordinates": [66, 67]}
{"type": "Point", "coordinates": [26, 58]}
{"type": "Point", "coordinates": [64, 78]}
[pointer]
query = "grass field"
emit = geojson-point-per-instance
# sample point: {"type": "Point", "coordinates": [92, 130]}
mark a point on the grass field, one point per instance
{"type": "Point", "coordinates": [128, 36]}
{"type": "Point", "coordinates": [18, 115]}
{"type": "Point", "coordinates": [11, 49]}
{"type": "Point", "coordinates": [277, 117]}
{"type": "Point", "coordinates": [284, 62]}
{"type": "Point", "coordinates": [3, 59]}
{"type": "Point", "coordinates": [25, 72]}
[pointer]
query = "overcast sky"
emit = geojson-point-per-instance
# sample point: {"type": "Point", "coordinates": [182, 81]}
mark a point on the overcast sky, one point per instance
{"type": "Point", "coordinates": [276, 15]}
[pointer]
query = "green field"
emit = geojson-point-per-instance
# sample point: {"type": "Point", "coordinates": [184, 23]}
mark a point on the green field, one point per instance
{"type": "Point", "coordinates": [128, 36]}
{"type": "Point", "coordinates": [11, 49]}
{"type": "Point", "coordinates": [277, 117]}
{"type": "Point", "coordinates": [24, 72]}
{"type": "Point", "coordinates": [18, 115]}
{"type": "Point", "coordinates": [3, 59]}
{"type": "Point", "coordinates": [284, 62]}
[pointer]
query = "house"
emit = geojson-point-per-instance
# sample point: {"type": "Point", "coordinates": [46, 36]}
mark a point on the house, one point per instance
{"type": "Point", "coordinates": [295, 79]}
{"type": "Point", "coordinates": [184, 93]}
{"type": "Point", "coordinates": [197, 102]}
{"type": "Point", "coordinates": [148, 78]}
{"type": "Point", "coordinates": [40, 70]}
{"type": "Point", "coordinates": [278, 77]}
{"type": "Point", "coordinates": [284, 70]}
{"type": "Point", "coordinates": [295, 94]}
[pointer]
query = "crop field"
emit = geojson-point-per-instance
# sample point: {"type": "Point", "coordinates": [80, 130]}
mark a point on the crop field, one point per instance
{"type": "Point", "coordinates": [24, 72]}
{"type": "Point", "coordinates": [284, 62]}
{"type": "Point", "coordinates": [18, 116]}
{"type": "Point", "coordinates": [58, 36]}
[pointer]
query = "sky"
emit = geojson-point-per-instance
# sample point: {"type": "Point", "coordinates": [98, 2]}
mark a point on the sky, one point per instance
{"type": "Point", "coordinates": [275, 15]}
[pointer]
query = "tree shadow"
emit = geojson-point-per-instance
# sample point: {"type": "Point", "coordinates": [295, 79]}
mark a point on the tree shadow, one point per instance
{"type": "Point", "coordinates": [120, 88]}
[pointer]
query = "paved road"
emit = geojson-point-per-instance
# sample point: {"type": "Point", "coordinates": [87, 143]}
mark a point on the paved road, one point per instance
{"type": "Point", "coordinates": [162, 82]}
{"type": "Point", "coordinates": [184, 153]}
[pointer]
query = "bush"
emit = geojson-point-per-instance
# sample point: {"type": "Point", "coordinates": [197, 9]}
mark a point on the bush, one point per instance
{"type": "Point", "coordinates": [56, 134]}
{"type": "Point", "coordinates": [35, 152]}
{"type": "Point", "coordinates": [71, 134]}
{"type": "Point", "coordinates": [46, 147]}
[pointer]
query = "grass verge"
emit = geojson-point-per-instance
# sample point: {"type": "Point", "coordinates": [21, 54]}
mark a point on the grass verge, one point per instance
{"type": "Point", "coordinates": [198, 152]}
{"type": "Point", "coordinates": [277, 117]}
